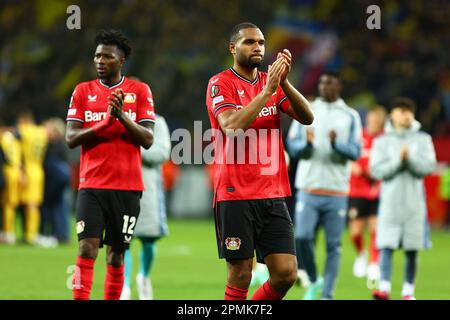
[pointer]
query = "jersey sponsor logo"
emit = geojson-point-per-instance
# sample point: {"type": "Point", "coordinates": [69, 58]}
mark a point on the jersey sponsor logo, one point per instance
{"type": "Point", "coordinates": [94, 116]}
{"type": "Point", "coordinates": [233, 243]}
{"type": "Point", "coordinates": [240, 92]}
{"type": "Point", "coordinates": [80, 226]}
{"type": "Point", "coordinates": [72, 112]}
{"type": "Point", "coordinates": [131, 114]}
{"type": "Point", "coordinates": [90, 116]}
{"type": "Point", "coordinates": [214, 91]}
{"type": "Point", "coordinates": [150, 113]}
{"type": "Point", "coordinates": [92, 98]}
{"type": "Point", "coordinates": [150, 100]}
{"type": "Point", "coordinates": [267, 111]}
{"type": "Point", "coordinates": [215, 80]}
{"type": "Point", "coordinates": [130, 97]}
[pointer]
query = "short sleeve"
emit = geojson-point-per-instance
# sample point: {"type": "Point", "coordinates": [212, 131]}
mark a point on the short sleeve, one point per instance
{"type": "Point", "coordinates": [145, 108]}
{"type": "Point", "coordinates": [219, 96]}
{"type": "Point", "coordinates": [76, 110]}
{"type": "Point", "coordinates": [283, 102]}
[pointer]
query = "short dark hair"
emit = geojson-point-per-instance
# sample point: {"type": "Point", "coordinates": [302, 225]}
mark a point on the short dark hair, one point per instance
{"type": "Point", "coordinates": [234, 35]}
{"type": "Point", "coordinates": [114, 37]}
{"type": "Point", "coordinates": [331, 73]}
{"type": "Point", "coordinates": [404, 103]}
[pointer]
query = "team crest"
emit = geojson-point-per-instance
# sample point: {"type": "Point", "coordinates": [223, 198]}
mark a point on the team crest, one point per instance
{"type": "Point", "coordinates": [130, 98]}
{"type": "Point", "coordinates": [233, 243]}
{"type": "Point", "coordinates": [80, 226]}
{"type": "Point", "coordinates": [214, 91]}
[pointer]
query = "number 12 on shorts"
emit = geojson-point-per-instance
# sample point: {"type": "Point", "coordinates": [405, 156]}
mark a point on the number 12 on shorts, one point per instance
{"type": "Point", "coordinates": [128, 224]}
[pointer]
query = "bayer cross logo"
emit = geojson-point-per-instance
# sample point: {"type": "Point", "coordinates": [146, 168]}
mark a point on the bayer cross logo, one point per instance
{"type": "Point", "coordinates": [233, 243]}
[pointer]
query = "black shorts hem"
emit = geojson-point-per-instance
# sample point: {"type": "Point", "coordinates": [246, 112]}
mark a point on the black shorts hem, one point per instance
{"type": "Point", "coordinates": [261, 259]}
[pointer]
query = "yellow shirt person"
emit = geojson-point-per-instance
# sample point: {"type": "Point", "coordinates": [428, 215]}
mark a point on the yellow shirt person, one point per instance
{"type": "Point", "coordinates": [33, 139]}
{"type": "Point", "coordinates": [11, 194]}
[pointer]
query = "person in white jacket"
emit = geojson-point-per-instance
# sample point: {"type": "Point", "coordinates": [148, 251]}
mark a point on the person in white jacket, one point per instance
{"type": "Point", "coordinates": [325, 149]}
{"type": "Point", "coordinates": [152, 222]}
{"type": "Point", "coordinates": [401, 158]}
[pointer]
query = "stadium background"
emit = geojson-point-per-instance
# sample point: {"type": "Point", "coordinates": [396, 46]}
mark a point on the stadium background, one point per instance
{"type": "Point", "coordinates": [177, 46]}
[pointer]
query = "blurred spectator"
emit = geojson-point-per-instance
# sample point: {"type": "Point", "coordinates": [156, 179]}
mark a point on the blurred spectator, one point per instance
{"type": "Point", "coordinates": [11, 172]}
{"type": "Point", "coordinates": [55, 209]}
{"type": "Point", "coordinates": [401, 158]}
{"type": "Point", "coordinates": [184, 41]}
{"type": "Point", "coordinates": [33, 141]}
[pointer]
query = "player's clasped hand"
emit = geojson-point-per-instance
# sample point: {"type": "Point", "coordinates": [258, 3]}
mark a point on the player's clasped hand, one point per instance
{"type": "Point", "coordinates": [287, 57]}
{"type": "Point", "coordinates": [115, 103]}
{"type": "Point", "coordinates": [274, 75]}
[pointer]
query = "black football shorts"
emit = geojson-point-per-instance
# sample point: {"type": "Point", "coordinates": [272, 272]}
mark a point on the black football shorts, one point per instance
{"type": "Point", "coordinates": [243, 226]}
{"type": "Point", "coordinates": [108, 215]}
{"type": "Point", "coordinates": [362, 208]}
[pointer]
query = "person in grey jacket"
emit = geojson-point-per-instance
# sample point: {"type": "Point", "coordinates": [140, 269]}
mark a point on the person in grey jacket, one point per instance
{"type": "Point", "coordinates": [152, 222]}
{"type": "Point", "coordinates": [401, 158]}
{"type": "Point", "coordinates": [326, 149]}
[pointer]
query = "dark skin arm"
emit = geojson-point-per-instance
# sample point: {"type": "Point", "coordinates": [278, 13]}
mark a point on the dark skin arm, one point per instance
{"type": "Point", "coordinates": [232, 119]}
{"type": "Point", "coordinates": [299, 108]}
{"type": "Point", "coordinates": [141, 134]}
{"type": "Point", "coordinates": [77, 135]}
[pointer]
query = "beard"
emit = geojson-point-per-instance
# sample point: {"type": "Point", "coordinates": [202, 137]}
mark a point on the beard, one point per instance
{"type": "Point", "coordinates": [104, 75]}
{"type": "Point", "coordinates": [248, 62]}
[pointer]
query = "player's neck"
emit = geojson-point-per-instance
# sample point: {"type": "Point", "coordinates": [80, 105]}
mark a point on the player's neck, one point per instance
{"type": "Point", "coordinates": [248, 73]}
{"type": "Point", "coordinates": [113, 80]}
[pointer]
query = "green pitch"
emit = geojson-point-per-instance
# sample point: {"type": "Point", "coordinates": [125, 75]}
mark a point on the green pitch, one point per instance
{"type": "Point", "coordinates": [187, 267]}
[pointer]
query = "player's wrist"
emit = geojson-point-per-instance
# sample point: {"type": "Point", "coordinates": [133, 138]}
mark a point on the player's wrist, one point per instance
{"type": "Point", "coordinates": [102, 125]}
{"type": "Point", "coordinates": [267, 92]}
{"type": "Point", "coordinates": [120, 115]}
{"type": "Point", "coordinates": [284, 83]}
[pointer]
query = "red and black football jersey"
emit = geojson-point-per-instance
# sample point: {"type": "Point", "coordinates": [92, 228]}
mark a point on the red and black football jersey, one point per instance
{"type": "Point", "coordinates": [113, 160]}
{"type": "Point", "coordinates": [239, 176]}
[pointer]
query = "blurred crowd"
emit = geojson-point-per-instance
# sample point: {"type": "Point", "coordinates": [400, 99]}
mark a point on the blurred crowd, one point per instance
{"type": "Point", "coordinates": [35, 180]}
{"type": "Point", "coordinates": [179, 44]}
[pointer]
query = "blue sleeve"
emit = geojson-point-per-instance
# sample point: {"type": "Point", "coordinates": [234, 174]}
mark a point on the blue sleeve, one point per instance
{"type": "Point", "coordinates": [297, 145]}
{"type": "Point", "coordinates": [352, 149]}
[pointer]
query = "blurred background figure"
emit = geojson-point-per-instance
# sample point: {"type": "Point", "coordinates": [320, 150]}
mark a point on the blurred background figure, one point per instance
{"type": "Point", "coordinates": [401, 158]}
{"type": "Point", "coordinates": [11, 168]}
{"type": "Point", "coordinates": [33, 140]}
{"type": "Point", "coordinates": [325, 150]}
{"type": "Point", "coordinates": [55, 209]}
{"type": "Point", "coordinates": [152, 221]}
{"type": "Point", "coordinates": [363, 199]}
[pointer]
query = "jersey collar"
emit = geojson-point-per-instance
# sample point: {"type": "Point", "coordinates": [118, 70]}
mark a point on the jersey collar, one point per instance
{"type": "Point", "coordinates": [113, 86]}
{"type": "Point", "coordinates": [243, 78]}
